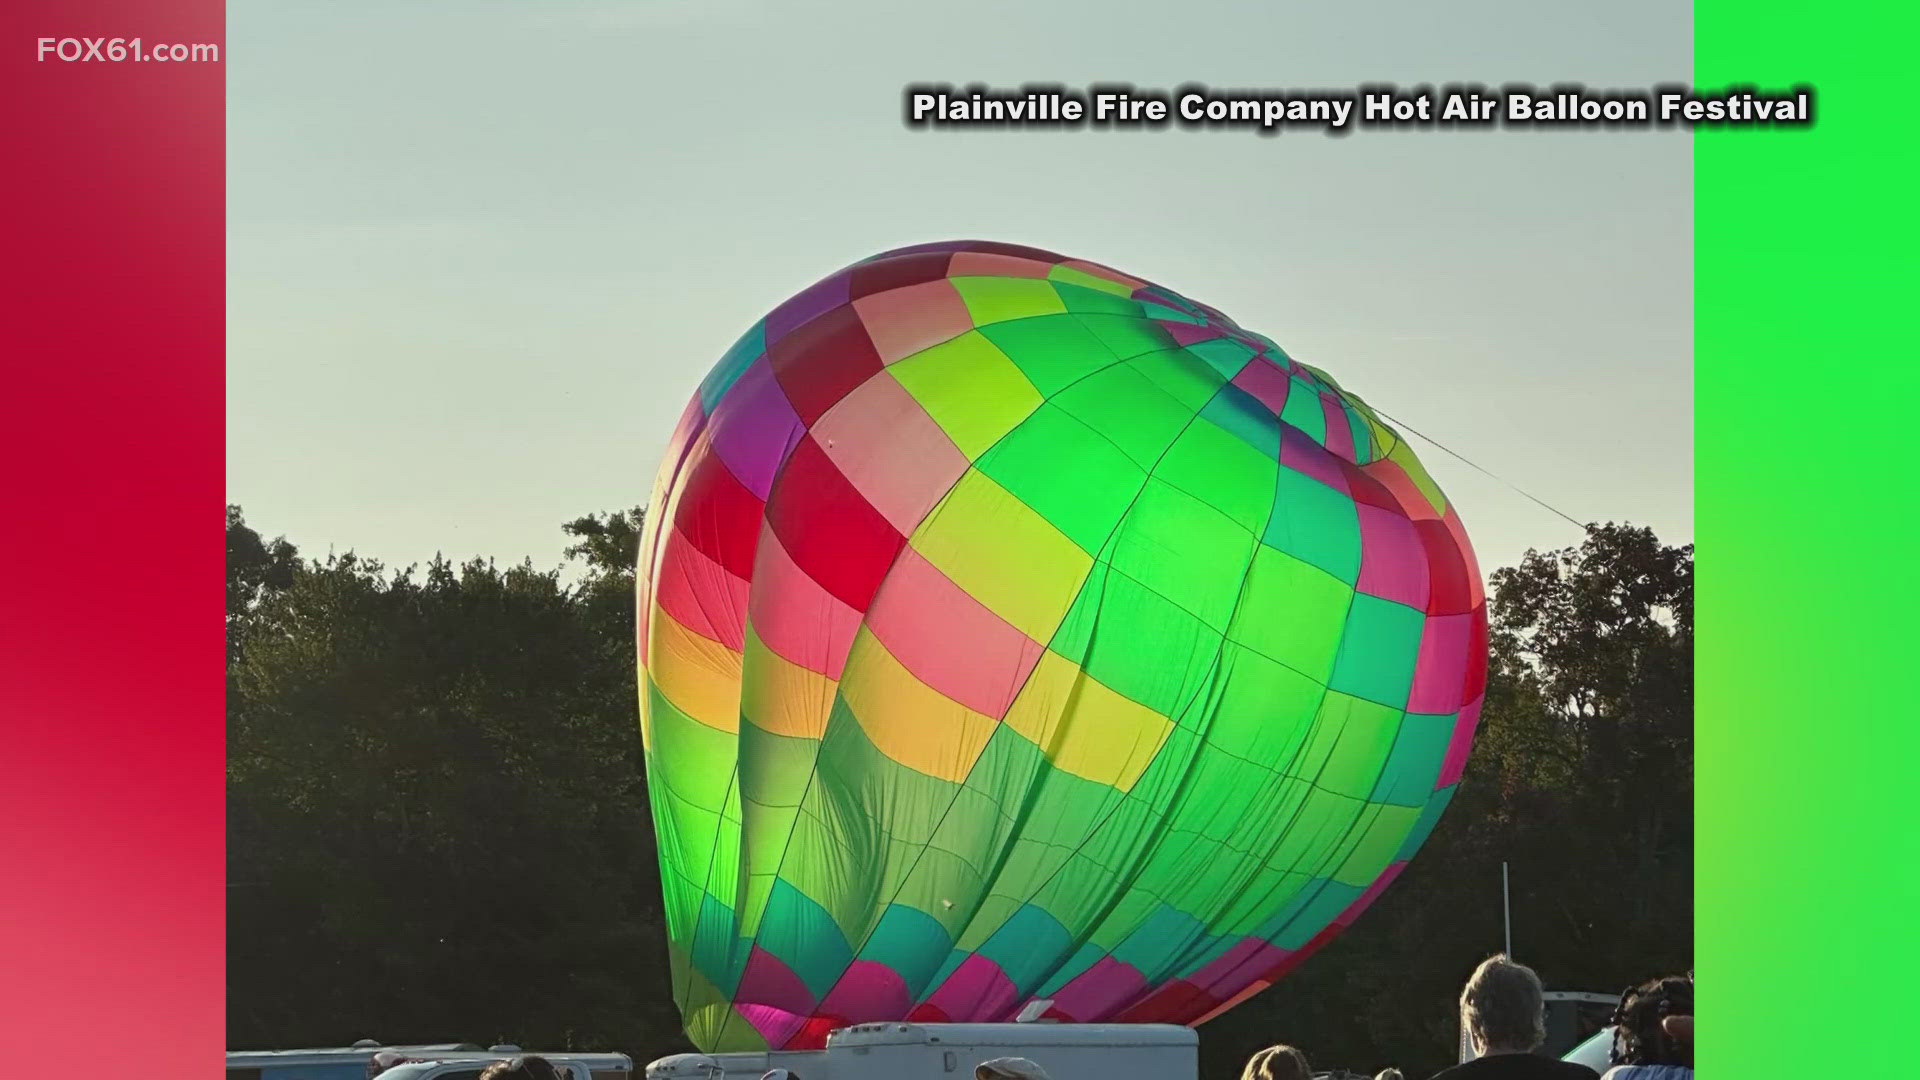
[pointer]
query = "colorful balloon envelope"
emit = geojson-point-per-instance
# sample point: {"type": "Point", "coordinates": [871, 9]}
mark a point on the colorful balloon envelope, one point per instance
{"type": "Point", "coordinates": [1018, 636]}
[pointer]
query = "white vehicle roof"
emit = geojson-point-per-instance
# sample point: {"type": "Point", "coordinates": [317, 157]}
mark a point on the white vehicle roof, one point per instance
{"type": "Point", "coordinates": [332, 1055]}
{"type": "Point", "coordinates": [420, 1070]}
{"type": "Point", "coordinates": [592, 1061]}
{"type": "Point", "coordinates": [742, 1063]}
{"type": "Point", "coordinates": [892, 1051]}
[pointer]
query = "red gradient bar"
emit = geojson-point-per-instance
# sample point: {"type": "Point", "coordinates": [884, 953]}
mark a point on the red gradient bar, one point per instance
{"type": "Point", "coordinates": [112, 723]}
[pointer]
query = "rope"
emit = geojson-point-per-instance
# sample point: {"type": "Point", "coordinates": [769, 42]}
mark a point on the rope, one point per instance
{"type": "Point", "coordinates": [1568, 518]}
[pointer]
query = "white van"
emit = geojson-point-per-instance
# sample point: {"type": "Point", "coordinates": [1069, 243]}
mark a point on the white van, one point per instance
{"type": "Point", "coordinates": [323, 1063]}
{"type": "Point", "coordinates": [937, 1051]}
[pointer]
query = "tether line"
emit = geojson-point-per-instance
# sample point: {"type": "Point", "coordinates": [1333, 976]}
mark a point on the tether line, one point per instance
{"type": "Point", "coordinates": [1501, 479]}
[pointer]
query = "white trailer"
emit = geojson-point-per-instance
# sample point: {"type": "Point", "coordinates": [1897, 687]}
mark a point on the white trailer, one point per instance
{"type": "Point", "coordinates": [446, 1061]}
{"type": "Point", "coordinates": [324, 1063]}
{"type": "Point", "coordinates": [951, 1051]}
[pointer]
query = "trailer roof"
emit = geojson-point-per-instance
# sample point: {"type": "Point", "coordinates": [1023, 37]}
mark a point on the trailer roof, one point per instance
{"type": "Point", "coordinates": [324, 1055]}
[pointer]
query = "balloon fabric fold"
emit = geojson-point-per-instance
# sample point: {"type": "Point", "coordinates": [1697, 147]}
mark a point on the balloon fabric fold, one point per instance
{"type": "Point", "coordinates": [1015, 630]}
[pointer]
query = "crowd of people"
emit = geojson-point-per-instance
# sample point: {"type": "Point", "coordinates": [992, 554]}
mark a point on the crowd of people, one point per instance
{"type": "Point", "coordinates": [1503, 1012]}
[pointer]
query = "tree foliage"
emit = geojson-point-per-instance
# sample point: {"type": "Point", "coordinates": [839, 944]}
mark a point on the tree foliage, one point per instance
{"type": "Point", "coordinates": [253, 567]}
{"type": "Point", "coordinates": [438, 823]}
{"type": "Point", "coordinates": [439, 826]}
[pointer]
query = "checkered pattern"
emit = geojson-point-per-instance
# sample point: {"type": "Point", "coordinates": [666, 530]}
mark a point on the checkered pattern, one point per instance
{"type": "Point", "coordinates": [1013, 628]}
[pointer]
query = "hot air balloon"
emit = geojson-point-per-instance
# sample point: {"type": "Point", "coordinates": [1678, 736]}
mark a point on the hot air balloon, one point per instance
{"type": "Point", "coordinates": [1018, 636]}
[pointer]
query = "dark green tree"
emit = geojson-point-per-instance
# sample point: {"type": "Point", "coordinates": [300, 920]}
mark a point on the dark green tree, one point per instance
{"type": "Point", "coordinates": [254, 566]}
{"type": "Point", "coordinates": [438, 821]}
{"type": "Point", "coordinates": [609, 544]}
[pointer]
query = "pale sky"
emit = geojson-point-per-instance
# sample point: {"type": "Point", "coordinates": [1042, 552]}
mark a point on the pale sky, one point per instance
{"type": "Point", "coordinates": [482, 252]}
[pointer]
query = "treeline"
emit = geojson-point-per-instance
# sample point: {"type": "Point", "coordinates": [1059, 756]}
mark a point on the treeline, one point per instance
{"type": "Point", "coordinates": [438, 825]}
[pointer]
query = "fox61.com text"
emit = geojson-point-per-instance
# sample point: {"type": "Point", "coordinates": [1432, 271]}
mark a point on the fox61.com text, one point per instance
{"type": "Point", "coordinates": [119, 50]}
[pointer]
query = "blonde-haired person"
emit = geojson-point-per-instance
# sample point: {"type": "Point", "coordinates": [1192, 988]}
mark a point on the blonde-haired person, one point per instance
{"type": "Point", "coordinates": [1278, 1062]}
{"type": "Point", "coordinates": [1503, 1010]}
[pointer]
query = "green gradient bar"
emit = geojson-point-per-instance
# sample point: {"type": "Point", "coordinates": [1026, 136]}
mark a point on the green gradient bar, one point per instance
{"type": "Point", "coordinates": [1808, 866]}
